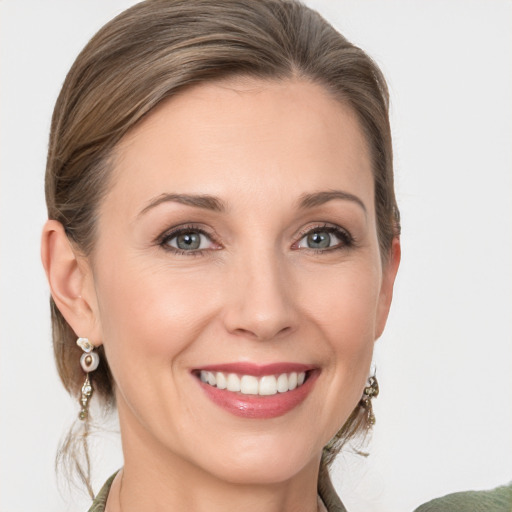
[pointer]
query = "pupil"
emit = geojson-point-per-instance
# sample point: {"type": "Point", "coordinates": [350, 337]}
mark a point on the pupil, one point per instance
{"type": "Point", "coordinates": [319, 240]}
{"type": "Point", "coordinates": [188, 241]}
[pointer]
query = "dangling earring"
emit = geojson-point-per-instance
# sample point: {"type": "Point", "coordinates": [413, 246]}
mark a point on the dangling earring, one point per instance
{"type": "Point", "coordinates": [89, 362]}
{"type": "Point", "coordinates": [370, 391]}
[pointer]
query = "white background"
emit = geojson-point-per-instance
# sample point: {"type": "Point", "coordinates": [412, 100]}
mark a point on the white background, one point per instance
{"type": "Point", "coordinates": [444, 417]}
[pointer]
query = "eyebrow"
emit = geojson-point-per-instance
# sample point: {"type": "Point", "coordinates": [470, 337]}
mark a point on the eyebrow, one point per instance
{"type": "Point", "coordinates": [320, 198]}
{"type": "Point", "coordinates": [212, 203]}
{"type": "Point", "coordinates": [199, 201]}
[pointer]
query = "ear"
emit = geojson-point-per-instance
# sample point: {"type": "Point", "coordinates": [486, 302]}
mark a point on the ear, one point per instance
{"type": "Point", "coordinates": [388, 281]}
{"type": "Point", "coordinates": [71, 282]}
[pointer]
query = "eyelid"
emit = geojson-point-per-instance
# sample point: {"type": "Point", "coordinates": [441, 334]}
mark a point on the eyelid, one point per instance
{"type": "Point", "coordinates": [162, 239]}
{"type": "Point", "coordinates": [347, 238]}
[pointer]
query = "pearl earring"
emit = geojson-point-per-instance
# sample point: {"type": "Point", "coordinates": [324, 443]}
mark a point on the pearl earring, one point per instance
{"type": "Point", "coordinates": [89, 362]}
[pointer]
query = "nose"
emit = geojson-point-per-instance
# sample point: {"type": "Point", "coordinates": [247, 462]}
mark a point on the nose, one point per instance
{"type": "Point", "coordinates": [260, 302]}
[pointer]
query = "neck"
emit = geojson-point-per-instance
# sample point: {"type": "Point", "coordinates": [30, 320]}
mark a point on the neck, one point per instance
{"type": "Point", "coordinates": [154, 478]}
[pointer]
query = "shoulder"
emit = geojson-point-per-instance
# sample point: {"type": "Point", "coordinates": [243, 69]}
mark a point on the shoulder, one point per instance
{"type": "Point", "coordinates": [100, 501]}
{"type": "Point", "coordinates": [496, 500]}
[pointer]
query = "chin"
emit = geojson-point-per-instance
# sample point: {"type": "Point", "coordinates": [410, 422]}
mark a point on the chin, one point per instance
{"type": "Point", "coordinates": [269, 472]}
{"type": "Point", "coordinates": [262, 463]}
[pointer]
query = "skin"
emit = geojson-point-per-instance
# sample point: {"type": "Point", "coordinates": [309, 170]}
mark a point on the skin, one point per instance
{"type": "Point", "coordinates": [255, 292]}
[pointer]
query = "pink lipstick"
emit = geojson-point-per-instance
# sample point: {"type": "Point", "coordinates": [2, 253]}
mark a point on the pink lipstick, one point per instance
{"type": "Point", "coordinates": [257, 391]}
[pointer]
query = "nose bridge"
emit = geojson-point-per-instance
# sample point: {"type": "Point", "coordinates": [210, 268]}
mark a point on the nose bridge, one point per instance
{"type": "Point", "coordinates": [260, 303]}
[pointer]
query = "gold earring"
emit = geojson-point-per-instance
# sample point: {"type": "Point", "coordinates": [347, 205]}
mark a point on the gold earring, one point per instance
{"type": "Point", "coordinates": [370, 391]}
{"type": "Point", "coordinates": [89, 362]}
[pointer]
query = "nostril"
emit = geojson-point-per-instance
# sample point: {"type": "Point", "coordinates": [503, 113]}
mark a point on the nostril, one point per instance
{"type": "Point", "coordinates": [264, 333]}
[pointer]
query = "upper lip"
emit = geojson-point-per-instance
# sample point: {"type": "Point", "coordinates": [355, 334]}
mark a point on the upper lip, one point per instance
{"type": "Point", "coordinates": [257, 370]}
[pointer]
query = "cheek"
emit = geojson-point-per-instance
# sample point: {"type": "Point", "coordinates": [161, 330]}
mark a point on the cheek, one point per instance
{"type": "Point", "coordinates": [344, 305]}
{"type": "Point", "coordinates": [150, 314]}
{"type": "Point", "coordinates": [343, 308]}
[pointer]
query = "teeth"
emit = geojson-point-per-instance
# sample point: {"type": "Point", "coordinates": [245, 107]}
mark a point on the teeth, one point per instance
{"type": "Point", "coordinates": [282, 383]}
{"type": "Point", "coordinates": [268, 385]}
{"type": "Point", "coordinates": [221, 381]}
{"type": "Point", "coordinates": [251, 385]}
{"type": "Point", "coordinates": [233, 382]}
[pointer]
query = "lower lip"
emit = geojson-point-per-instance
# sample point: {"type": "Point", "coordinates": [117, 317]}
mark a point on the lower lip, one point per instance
{"type": "Point", "coordinates": [256, 406]}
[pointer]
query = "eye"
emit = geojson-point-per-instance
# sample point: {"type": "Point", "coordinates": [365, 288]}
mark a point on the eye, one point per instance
{"type": "Point", "coordinates": [187, 240]}
{"type": "Point", "coordinates": [324, 238]}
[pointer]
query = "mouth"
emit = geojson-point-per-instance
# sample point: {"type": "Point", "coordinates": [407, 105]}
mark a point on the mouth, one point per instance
{"type": "Point", "coordinates": [253, 391]}
{"type": "Point", "coordinates": [267, 385]}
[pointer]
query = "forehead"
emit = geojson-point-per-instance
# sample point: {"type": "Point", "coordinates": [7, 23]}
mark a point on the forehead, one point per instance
{"type": "Point", "coordinates": [248, 140]}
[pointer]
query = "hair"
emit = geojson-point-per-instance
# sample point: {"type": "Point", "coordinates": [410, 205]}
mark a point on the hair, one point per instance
{"type": "Point", "coordinates": [158, 48]}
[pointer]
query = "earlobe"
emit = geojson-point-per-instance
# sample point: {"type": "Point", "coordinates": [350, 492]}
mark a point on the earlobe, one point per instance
{"type": "Point", "coordinates": [69, 279]}
{"type": "Point", "coordinates": [388, 281]}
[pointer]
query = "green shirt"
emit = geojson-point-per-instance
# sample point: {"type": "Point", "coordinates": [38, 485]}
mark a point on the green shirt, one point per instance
{"type": "Point", "coordinates": [325, 490]}
{"type": "Point", "coordinates": [497, 500]}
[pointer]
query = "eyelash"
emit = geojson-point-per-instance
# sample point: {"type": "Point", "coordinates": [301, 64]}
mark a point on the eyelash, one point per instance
{"type": "Point", "coordinates": [347, 240]}
{"type": "Point", "coordinates": [163, 240]}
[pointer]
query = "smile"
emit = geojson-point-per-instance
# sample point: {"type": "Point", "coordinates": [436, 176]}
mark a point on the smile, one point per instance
{"type": "Point", "coordinates": [266, 385]}
{"type": "Point", "coordinates": [257, 392]}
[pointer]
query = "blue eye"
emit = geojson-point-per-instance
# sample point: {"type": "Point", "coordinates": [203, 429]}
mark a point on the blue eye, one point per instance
{"type": "Point", "coordinates": [324, 238]}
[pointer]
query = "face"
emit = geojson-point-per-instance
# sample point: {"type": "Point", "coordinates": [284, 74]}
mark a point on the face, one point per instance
{"type": "Point", "coordinates": [238, 246]}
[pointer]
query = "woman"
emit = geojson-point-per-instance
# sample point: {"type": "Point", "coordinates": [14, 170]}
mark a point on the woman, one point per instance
{"type": "Point", "coordinates": [223, 242]}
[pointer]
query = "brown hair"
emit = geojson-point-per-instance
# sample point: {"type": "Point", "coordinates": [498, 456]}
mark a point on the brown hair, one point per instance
{"type": "Point", "coordinates": [159, 47]}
